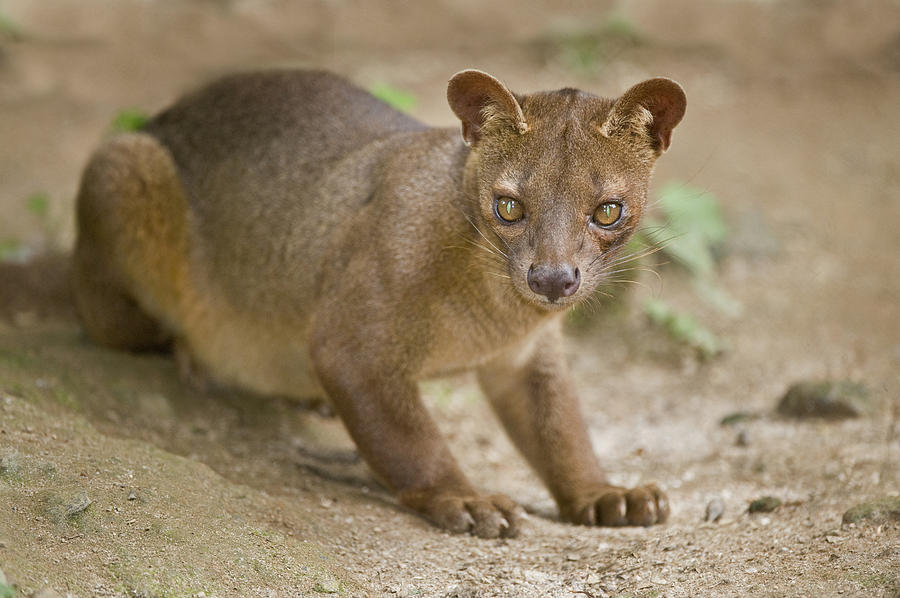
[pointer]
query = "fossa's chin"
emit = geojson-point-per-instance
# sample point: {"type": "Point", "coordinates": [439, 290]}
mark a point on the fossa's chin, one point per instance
{"type": "Point", "coordinates": [555, 305]}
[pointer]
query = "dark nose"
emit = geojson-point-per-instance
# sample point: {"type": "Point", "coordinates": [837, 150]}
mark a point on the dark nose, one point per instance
{"type": "Point", "coordinates": [554, 281]}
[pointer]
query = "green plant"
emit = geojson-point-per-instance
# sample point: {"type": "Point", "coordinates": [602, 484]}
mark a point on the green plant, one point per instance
{"type": "Point", "coordinates": [11, 250]}
{"type": "Point", "coordinates": [690, 231]}
{"type": "Point", "coordinates": [9, 28]}
{"type": "Point", "coordinates": [587, 50]}
{"type": "Point", "coordinates": [393, 96]}
{"type": "Point", "coordinates": [38, 204]}
{"type": "Point", "coordinates": [129, 119]}
{"type": "Point", "coordinates": [683, 328]}
{"type": "Point", "coordinates": [692, 234]}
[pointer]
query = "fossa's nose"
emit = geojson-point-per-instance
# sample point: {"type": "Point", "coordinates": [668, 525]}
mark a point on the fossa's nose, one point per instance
{"type": "Point", "coordinates": [554, 282]}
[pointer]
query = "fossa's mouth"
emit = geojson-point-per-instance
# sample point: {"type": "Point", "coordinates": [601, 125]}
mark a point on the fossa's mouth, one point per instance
{"type": "Point", "coordinates": [551, 304]}
{"type": "Point", "coordinates": [558, 304]}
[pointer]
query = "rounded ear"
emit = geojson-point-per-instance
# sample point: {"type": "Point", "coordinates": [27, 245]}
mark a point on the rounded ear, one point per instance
{"type": "Point", "coordinates": [477, 98]}
{"type": "Point", "coordinates": [652, 108]}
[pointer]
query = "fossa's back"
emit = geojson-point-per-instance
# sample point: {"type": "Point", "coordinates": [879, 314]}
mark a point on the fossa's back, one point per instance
{"type": "Point", "coordinates": [260, 157]}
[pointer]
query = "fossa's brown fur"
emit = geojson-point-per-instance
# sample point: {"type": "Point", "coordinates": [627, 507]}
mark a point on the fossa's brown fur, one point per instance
{"type": "Point", "coordinates": [292, 235]}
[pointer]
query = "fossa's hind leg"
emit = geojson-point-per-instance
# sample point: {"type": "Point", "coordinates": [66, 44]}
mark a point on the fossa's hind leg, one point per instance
{"type": "Point", "coordinates": [131, 212]}
{"type": "Point", "coordinates": [110, 316]}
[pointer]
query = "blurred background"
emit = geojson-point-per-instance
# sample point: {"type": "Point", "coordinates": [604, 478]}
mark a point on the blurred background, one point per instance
{"type": "Point", "coordinates": [777, 210]}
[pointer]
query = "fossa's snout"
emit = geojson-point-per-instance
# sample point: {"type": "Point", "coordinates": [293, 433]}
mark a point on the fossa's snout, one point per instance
{"type": "Point", "coordinates": [554, 281]}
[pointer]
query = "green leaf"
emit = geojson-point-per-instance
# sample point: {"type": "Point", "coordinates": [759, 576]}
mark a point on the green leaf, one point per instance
{"type": "Point", "coordinates": [394, 97]}
{"type": "Point", "coordinates": [693, 227]}
{"type": "Point", "coordinates": [129, 119]}
{"type": "Point", "coordinates": [587, 50]}
{"type": "Point", "coordinates": [8, 27]}
{"type": "Point", "coordinates": [619, 28]}
{"type": "Point", "coordinates": [683, 328]}
{"type": "Point", "coordinates": [38, 204]}
{"type": "Point", "coordinates": [10, 250]}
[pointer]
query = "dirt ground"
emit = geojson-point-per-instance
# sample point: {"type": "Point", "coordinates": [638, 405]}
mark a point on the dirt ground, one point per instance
{"type": "Point", "coordinates": [116, 481]}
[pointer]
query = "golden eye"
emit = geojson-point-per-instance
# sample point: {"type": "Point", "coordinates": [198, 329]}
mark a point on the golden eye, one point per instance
{"type": "Point", "coordinates": [607, 213]}
{"type": "Point", "coordinates": [509, 209]}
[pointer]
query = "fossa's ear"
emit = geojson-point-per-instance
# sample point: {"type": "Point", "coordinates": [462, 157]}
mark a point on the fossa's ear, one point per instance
{"type": "Point", "coordinates": [479, 100]}
{"type": "Point", "coordinates": [648, 111]}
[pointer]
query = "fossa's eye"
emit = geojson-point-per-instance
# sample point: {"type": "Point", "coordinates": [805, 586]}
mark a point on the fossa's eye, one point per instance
{"type": "Point", "coordinates": [509, 210]}
{"type": "Point", "coordinates": [607, 213]}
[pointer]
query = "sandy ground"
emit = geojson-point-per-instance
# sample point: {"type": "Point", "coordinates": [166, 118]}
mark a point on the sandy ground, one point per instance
{"type": "Point", "coordinates": [116, 481]}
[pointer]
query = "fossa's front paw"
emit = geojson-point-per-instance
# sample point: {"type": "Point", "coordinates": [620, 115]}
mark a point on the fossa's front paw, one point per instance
{"type": "Point", "coordinates": [616, 506]}
{"type": "Point", "coordinates": [494, 516]}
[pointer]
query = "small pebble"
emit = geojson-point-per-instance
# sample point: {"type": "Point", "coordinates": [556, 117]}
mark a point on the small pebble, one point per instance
{"type": "Point", "coordinates": [715, 508]}
{"type": "Point", "coordinates": [879, 510]}
{"type": "Point", "coordinates": [826, 400]}
{"type": "Point", "coordinates": [77, 505]}
{"type": "Point", "coordinates": [329, 586]}
{"type": "Point", "coordinates": [132, 496]}
{"type": "Point", "coordinates": [464, 591]}
{"type": "Point", "coordinates": [766, 504]}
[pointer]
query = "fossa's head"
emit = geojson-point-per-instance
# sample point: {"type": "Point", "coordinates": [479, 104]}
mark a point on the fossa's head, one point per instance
{"type": "Point", "coordinates": [560, 178]}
